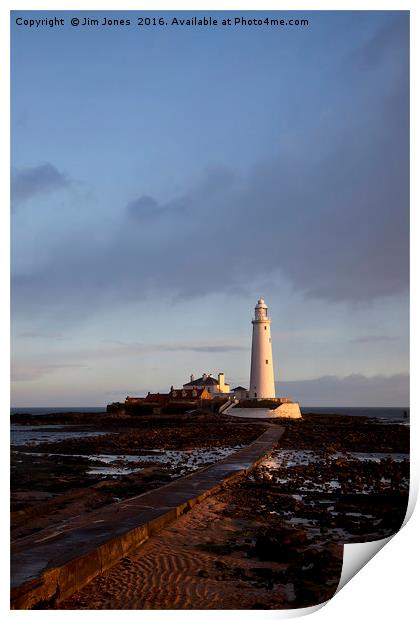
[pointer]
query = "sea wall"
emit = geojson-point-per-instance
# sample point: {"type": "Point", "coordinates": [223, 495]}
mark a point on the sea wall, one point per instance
{"type": "Point", "coordinates": [288, 410]}
{"type": "Point", "coordinates": [285, 410]}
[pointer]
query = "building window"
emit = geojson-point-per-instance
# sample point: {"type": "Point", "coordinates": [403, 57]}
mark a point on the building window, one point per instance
{"type": "Point", "coordinates": [255, 394]}
{"type": "Point", "coordinates": [266, 361]}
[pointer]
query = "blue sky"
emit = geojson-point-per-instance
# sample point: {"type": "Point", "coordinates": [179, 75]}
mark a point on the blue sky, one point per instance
{"type": "Point", "coordinates": [164, 178]}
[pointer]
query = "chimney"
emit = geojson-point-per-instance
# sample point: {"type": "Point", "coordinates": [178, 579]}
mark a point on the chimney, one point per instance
{"type": "Point", "coordinates": [221, 381]}
{"type": "Point", "coordinates": [191, 377]}
{"type": "Point", "coordinates": [204, 376]}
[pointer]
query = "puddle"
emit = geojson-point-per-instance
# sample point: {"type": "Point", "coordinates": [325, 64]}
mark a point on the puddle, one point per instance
{"type": "Point", "coordinates": [379, 456]}
{"type": "Point", "coordinates": [178, 462]}
{"type": "Point", "coordinates": [35, 435]}
{"type": "Point", "coordinates": [296, 458]}
{"type": "Point", "coordinates": [111, 471]}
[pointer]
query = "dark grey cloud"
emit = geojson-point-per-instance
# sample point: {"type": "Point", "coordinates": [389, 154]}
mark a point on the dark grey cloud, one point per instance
{"type": "Point", "coordinates": [42, 179]}
{"type": "Point", "coordinates": [143, 207]}
{"type": "Point", "coordinates": [330, 212]}
{"type": "Point", "coordinates": [352, 391]}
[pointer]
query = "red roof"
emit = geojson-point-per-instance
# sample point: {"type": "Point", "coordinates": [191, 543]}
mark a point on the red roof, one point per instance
{"type": "Point", "coordinates": [157, 398]}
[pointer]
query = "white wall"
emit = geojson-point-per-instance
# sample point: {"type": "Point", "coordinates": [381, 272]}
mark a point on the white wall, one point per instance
{"type": "Point", "coordinates": [262, 373]}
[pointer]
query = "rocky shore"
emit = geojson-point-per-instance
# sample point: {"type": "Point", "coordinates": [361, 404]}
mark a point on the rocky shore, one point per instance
{"type": "Point", "coordinates": [54, 480]}
{"type": "Point", "coordinates": [272, 541]}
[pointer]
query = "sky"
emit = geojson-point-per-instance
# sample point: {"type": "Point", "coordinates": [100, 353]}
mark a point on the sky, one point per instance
{"type": "Point", "coordinates": [164, 178]}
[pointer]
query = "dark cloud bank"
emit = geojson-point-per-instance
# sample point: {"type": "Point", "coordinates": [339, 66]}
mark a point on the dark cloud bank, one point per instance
{"type": "Point", "coordinates": [353, 390]}
{"type": "Point", "coordinates": [330, 215]}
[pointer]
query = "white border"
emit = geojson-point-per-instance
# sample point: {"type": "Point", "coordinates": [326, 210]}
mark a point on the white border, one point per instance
{"type": "Point", "coordinates": [387, 585]}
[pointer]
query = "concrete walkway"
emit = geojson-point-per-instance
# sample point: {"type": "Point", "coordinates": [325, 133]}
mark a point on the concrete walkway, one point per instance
{"type": "Point", "coordinates": [59, 560]}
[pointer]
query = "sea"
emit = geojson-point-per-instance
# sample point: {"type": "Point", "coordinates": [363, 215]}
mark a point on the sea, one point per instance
{"type": "Point", "coordinates": [386, 414]}
{"type": "Point", "coordinates": [47, 410]}
{"type": "Point", "coordinates": [383, 414]}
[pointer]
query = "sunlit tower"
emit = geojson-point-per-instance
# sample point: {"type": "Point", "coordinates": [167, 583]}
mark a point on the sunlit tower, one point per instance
{"type": "Point", "coordinates": [261, 384]}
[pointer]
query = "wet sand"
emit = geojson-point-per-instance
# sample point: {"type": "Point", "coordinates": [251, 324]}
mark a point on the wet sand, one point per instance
{"type": "Point", "coordinates": [209, 560]}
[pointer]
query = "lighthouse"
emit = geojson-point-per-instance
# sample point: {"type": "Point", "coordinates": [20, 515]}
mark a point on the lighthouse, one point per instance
{"type": "Point", "coordinates": [261, 384]}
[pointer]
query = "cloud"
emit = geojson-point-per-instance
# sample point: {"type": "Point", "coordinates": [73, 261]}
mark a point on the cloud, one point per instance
{"type": "Point", "coordinates": [33, 372]}
{"type": "Point", "coordinates": [143, 207]}
{"type": "Point", "coordinates": [32, 369]}
{"type": "Point", "coordinates": [373, 339]}
{"type": "Point", "coordinates": [29, 335]}
{"type": "Point", "coordinates": [329, 213]}
{"type": "Point", "coordinates": [42, 179]}
{"type": "Point", "coordinates": [351, 391]}
{"type": "Point", "coordinates": [127, 349]}
{"type": "Point", "coordinates": [205, 348]}
{"type": "Point", "coordinates": [119, 394]}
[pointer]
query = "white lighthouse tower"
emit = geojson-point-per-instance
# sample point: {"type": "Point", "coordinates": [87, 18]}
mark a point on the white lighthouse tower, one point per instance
{"type": "Point", "coordinates": [261, 384]}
